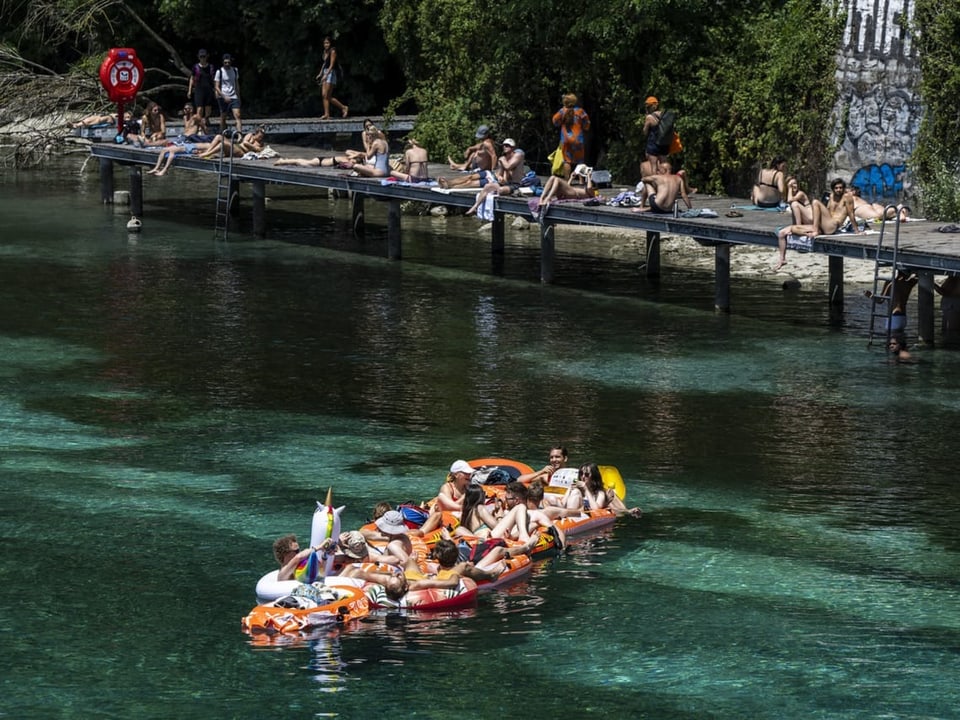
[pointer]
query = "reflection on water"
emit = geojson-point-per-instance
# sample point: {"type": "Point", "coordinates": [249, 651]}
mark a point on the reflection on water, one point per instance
{"type": "Point", "coordinates": [171, 405]}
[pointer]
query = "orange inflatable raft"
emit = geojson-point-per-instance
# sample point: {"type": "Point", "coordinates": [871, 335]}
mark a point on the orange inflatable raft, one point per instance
{"type": "Point", "coordinates": [308, 607]}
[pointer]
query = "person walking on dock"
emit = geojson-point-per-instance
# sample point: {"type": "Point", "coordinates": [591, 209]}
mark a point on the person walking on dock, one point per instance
{"type": "Point", "coordinates": [328, 77]}
{"type": "Point", "coordinates": [226, 84]}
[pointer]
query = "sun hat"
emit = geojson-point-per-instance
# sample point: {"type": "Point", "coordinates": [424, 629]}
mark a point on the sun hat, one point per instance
{"type": "Point", "coordinates": [391, 523]}
{"type": "Point", "coordinates": [510, 141]}
{"type": "Point", "coordinates": [482, 132]}
{"type": "Point", "coordinates": [353, 545]}
{"type": "Point", "coordinates": [461, 466]}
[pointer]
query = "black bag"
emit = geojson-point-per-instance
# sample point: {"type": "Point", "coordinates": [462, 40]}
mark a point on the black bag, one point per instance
{"type": "Point", "coordinates": [665, 128]}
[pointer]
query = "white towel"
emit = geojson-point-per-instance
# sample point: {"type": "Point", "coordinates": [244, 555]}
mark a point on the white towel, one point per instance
{"type": "Point", "coordinates": [485, 211]}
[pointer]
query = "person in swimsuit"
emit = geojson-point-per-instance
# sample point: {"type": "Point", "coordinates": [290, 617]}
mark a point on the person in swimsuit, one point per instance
{"type": "Point", "coordinates": [451, 493]}
{"type": "Point", "coordinates": [252, 142]}
{"type": "Point", "coordinates": [556, 188]}
{"type": "Point", "coordinates": [800, 206]}
{"type": "Point", "coordinates": [476, 520]}
{"type": "Point", "coordinates": [770, 188]}
{"type": "Point", "coordinates": [479, 156]}
{"type": "Point", "coordinates": [897, 293]}
{"type": "Point", "coordinates": [415, 160]}
{"type": "Point", "coordinates": [874, 211]}
{"type": "Point", "coordinates": [166, 155]}
{"type": "Point", "coordinates": [827, 219]}
{"type": "Point", "coordinates": [662, 190]}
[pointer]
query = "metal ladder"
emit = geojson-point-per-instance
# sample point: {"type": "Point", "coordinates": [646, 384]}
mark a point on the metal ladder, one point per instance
{"type": "Point", "coordinates": [881, 305]}
{"type": "Point", "coordinates": [221, 223]}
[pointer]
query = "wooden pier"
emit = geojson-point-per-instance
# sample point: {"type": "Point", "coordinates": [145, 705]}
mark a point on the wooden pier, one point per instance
{"type": "Point", "coordinates": [283, 127]}
{"type": "Point", "coordinates": [922, 249]}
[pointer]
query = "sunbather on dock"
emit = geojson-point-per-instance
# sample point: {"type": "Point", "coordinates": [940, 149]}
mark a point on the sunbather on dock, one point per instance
{"type": "Point", "coordinates": [837, 214]}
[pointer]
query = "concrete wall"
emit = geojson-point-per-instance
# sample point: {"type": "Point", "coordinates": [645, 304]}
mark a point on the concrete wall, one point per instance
{"type": "Point", "coordinates": [878, 112]}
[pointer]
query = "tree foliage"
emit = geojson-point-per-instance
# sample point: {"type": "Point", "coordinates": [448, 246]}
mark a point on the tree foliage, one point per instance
{"type": "Point", "coordinates": [748, 80]}
{"type": "Point", "coordinates": [937, 155]}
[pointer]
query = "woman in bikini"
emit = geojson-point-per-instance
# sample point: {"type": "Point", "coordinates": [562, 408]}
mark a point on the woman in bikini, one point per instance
{"type": "Point", "coordinates": [770, 189]}
{"type": "Point", "coordinates": [475, 519]}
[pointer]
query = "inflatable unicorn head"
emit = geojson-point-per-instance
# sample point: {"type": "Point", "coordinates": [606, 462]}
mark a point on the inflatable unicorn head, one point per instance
{"type": "Point", "coordinates": [326, 525]}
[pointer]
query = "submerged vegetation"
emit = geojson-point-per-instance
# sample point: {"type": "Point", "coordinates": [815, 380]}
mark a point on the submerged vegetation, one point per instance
{"type": "Point", "coordinates": [748, 80]}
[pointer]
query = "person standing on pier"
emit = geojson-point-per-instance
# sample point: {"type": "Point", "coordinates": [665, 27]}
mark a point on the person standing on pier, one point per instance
{"type": "Point", "coordinates": [573, 122]}
{"type": "Point", "coordinates": [226, 85]}
{"type": "Point", "coordinates": [200, 89]}
{"type": "Point", "coordinates": [328, 77]}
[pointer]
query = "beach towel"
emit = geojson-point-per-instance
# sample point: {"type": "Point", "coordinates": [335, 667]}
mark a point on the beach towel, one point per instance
{"type": "Point", "coordinates": [485, 211]}
{"type": "Point", "coordinates": [754, 207]}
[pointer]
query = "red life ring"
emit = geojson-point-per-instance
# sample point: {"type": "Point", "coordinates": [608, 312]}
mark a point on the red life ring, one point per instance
{"type": "Point", "coordinates": [121, 75]}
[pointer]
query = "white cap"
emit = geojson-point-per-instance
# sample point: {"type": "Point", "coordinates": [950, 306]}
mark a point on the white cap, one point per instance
{"type": "Point", "coordinates": [510, 141]}
{"type": "Point", "coordinates": [461, 466]}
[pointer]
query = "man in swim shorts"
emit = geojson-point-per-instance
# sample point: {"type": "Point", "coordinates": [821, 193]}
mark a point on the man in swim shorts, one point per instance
{"type": "Point", "coordinates": [662, 190]}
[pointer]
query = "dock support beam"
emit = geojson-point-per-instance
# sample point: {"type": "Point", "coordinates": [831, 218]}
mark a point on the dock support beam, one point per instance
{"type": "Point", "coordinates": [106, 181]}
{"type": "Point", "coordinates": [547, 249]}
{"type": "Point", "coordinates": [136, 191]}
{"type": "Point", "coordinates": [258, 198]}
{"type": "Point", "coordinates": [925, 305]}
{"type": "Point", "coordinates": [497, 234]}
{"type": "Point", "coordinates": [394, 246]}
{"type": "Point", "coordinates": [653, 254]}
{"type": "Point", "coordinates": [721, 263]}
{"type": "Point", "coordinates": [835, 280]}
{"type": "Point", "coordinates": [356, 209]}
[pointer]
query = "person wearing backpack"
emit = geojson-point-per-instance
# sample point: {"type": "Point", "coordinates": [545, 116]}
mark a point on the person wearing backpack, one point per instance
{"type": "Point", "coordinates": [652, 127]}
{"type": "Point", "coordinates": [226, 84]}
{"type": "Point", "coordinates": [200, 89]}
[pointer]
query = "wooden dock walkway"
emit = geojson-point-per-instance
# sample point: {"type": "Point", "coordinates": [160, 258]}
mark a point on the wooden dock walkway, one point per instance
{"type": "Point", "coordinates": [284, 127]}
{"type": "Point", "coordinates": [922, 249]}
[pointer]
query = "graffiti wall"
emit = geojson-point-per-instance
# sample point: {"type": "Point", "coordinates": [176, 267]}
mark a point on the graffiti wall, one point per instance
{"type": "Point", "coordinates": [878, 113]}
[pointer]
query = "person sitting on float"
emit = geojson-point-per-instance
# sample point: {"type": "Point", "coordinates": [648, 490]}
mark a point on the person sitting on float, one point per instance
{"type": "Point", "coordinates": [536, 500]}
{"type": "Point", "coordinates": [557, 458]}
{"type": "Point", "coordinates": [288, 554]}
{"type": "Point", "coordinates": [450, 496]}
{"type": "Point", "coordinates": [476, 520]}
{"type": "Point", "coordinates": [392, 531]}
{"type": "Point", "coordinates": [595, 495]}
{"type": "Point", "coordinates": [413, 577]}
{"type": "Point", "coordinates": [537, 517]}
{"type": "Point", "coordinates": [352, 548]}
